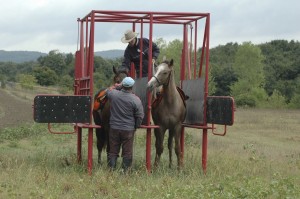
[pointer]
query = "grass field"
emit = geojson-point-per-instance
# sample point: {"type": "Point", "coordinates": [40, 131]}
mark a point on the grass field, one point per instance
{"type": "Point", "coordinates": [258, 158]}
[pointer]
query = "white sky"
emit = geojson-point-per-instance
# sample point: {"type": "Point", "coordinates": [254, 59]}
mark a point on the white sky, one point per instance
{"type": "Point", "coordinates": [45, 25]}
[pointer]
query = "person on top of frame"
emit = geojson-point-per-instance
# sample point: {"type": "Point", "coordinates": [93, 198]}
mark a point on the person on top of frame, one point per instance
{"type": "Point", "coordinates": [132, 52]}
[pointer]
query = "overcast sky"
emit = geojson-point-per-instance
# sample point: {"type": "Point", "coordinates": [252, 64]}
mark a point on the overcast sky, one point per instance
{"type": "Point", "coordinates": [44, 25]}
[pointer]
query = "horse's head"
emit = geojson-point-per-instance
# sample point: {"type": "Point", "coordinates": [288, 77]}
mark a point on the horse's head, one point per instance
{"type": "Point", "coordinates": [120, 74]}
{"type": "Point", "coordinates": [162, 75]}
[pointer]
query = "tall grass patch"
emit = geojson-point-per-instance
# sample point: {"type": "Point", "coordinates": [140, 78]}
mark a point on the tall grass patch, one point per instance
{"type": "Point", "coordinates": [258, 158]}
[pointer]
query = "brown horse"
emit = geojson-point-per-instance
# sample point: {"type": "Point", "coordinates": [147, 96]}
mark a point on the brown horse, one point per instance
{"type": "Point", "coordinates": [169, 113]}
{"type": "Point", "coordinates": [101, 113]}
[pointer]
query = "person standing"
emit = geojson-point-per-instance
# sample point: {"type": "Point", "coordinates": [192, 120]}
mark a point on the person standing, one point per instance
{"type": "Point", "coordinates": [126, 115]}
{"type": "Point", "coordinates": [132, 52]}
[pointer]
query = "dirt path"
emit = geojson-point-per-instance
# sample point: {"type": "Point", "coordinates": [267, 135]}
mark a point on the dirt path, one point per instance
{"type": "Point", "coordinates": [14, 111]}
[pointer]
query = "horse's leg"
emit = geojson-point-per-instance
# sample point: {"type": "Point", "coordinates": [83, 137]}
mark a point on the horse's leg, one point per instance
{"type": "Point", "coordinates": [177, 146]}
{"type": "Point", "coordinates": [159, 144]}
{"type": "Point", "coordinates": [107, 141]}
{"type": "Point", "coordinates": [170, 146]}
{"type": "Point", "coordinates": [99, 135]}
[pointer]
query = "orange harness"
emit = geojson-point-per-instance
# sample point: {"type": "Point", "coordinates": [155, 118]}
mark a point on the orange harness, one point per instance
{"type": "Point", "coordinates": [100, 100]}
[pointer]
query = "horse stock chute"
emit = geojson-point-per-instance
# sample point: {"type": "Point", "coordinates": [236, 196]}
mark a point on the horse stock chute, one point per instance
{"type": "Point", "coordinates": [201, 111]}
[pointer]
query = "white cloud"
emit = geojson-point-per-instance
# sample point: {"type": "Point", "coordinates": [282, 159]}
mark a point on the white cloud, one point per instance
{"type": "Point", "coordinates": [44, 25]}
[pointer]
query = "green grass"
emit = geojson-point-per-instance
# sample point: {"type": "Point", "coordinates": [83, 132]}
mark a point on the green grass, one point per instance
{"type": "Point", "coordinates": [258, 158]}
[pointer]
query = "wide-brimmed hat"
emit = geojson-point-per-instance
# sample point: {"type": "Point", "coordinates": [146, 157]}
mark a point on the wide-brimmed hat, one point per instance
{"type": "Point", "coordinates": [129, 35]}
{"type": "Point", "coordinates": [128, 82]}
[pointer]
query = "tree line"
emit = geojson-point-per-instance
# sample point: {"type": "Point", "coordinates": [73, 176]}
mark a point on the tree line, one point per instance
{"type": "Point", "coordinates": [265, 75]}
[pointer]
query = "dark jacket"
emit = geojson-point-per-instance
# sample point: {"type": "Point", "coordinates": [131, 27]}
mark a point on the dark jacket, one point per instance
{"type": "Point", "coordinates": [132, 54]}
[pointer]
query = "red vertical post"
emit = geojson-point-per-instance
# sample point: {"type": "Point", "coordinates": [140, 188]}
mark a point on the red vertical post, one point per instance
{"type": "Point", "coordinates": [204, 140]}
{"type": "Point", "coordinates": [79, 145]}
{"type": "Point", "coordinates": [195, 49]}
{"type": "Point", "coordinates": [132, 66]}
{"type": "Point", "coordinates": [183, 56]}
{"type": "Point", "coordinates": [148, 150]}
{"type": "Point", "coordinates": [148, 138]}
{"type": "Point", "coordinates": [90, 150]}
{"type": "Point", "coordinates": [141, 49]}
{"type": "Point", "coordinates": [204, 150]}
{"type": "Point", "coordinates": [86, 48]}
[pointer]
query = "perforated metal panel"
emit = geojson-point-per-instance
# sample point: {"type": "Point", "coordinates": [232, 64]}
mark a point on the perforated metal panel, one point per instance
{"type": "Point", "coordinates": [62, 109]}
{"type": "Point", "coordinates": [220, 110]}
{"type": "Point", "coordinates": [140, 89]}
{"type": "Point", "coordinates": [194, 89]}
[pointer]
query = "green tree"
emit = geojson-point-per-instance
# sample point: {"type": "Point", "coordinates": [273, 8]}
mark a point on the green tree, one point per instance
{"type": "Point", "coordinates": [66, 84]}
{"type": "Point", "coordinates": [45, 76]}
{"type": "Point", "coordinates": [282, 67]}
{"type": "Point", "coordinates": [55, 61]}
{"type": "Point", "coordinates": [221, 63]}
{"type": "Point", "coordinates": [27, 81]}
{"type": "Point", "coordinates": [276, 100]}
{"type": "Point", "coordinates": [248, 66]}
{"type": "Point", "coordinates": [10, 70]}
{"type": "Point", "coordinates": [295, 100]}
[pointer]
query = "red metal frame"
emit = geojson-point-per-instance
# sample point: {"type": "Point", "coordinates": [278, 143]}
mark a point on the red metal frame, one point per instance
{"type": "Point", "coordinates": [85, 56]}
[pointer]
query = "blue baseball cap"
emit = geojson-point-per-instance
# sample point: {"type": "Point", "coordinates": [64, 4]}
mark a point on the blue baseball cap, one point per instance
{"type": "Point", "coordinates": [128, 82]}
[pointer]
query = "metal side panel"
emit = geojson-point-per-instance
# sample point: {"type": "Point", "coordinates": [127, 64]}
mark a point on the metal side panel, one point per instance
{"type": "Point", "coordinates": [194, 89]}
{"type": "Point", "coordinates": [220, 110]}
{"type": "Point", "coordinates": [62, 109]}
{"type": "Point", "coordinates": [140, 89]}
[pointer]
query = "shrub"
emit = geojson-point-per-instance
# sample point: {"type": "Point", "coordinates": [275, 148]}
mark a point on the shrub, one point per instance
{"type": "Point", "coordinates": [245, 101]}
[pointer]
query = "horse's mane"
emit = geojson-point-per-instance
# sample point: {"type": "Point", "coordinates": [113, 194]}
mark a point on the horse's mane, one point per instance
{"type": "Point", "coordinates": [122, 70]}
{"type": "Point", "coordinates": [165, 62]}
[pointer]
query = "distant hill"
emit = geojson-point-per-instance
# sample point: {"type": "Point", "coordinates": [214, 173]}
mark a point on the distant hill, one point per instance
{"type": "Point", "coordinates": [26, 56]}
{"type": "Point", "coordinates": [110, 54]}
{"type": "Point", "coordinates": [19, 56]}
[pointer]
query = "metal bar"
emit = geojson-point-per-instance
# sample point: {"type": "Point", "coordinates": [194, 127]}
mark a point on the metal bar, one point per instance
{"type": "Point", "coordinates": [206, 68]}
{"type": "Point", "coordinates": [182, 72]}
{"type": "Point", "coordinates": [148, 150]}
{"type": "Point", "coordinates": [86, 48]}
{"type": "Point", "coordinates": [91, 62]}
{"type": "Point", "coordinates": [171, 14]}
{"type": "Point", "coordinates": [55, 132]}
{"type": "Point", "coordinates": [202, 53]}
{"type": "Point", "coordinates": [141, 50]}
{"type": "Point", "coordinates": [195, 48]}
{"type": "Point", "coordinates": [79, 144]}
{"type": "Point", "coordinates": [220, 134]}
{"type": "Point", "coordinates": [90, 150]}
{"type": "Point", "coordinates": [148, 145]}
{"type": "Point", "coordinates": [186, 51]}
{"type": "Point", "coordinates": [132, 68]}
{"type": "Point", "coordinates": [81, 49]}
{"type": "Point", "coordinates": [204, 150]}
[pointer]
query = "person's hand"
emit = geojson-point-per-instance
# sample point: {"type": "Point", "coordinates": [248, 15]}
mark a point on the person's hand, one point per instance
{"type": "Point", "coordinates": [118, 86]}
{"type": "Point", "coordinates": [153, 61]}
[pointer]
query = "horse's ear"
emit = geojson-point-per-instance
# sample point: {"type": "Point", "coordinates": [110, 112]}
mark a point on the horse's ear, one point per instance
{"type": "Point", "coordinates": [114, 69]}
{"type": "Point", "coordinates": [171, 62]}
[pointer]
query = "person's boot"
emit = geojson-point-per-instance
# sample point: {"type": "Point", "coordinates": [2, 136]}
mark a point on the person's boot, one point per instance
{"type": "Point", "coordinates": [126, 164]}
{"type": "Point", "coordinates": [112, 162]}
